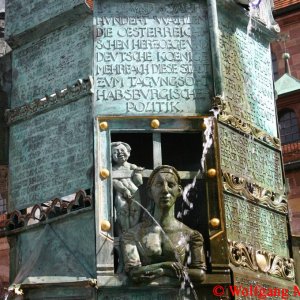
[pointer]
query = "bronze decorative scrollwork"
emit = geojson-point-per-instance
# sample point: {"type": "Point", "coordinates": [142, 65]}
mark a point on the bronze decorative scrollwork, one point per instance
{"type": "Point", "coordinates": [227, 117]}
{"type": "Point", "coordinates": [254, 192]}
{"type": "Point", "coordinates": [243, 255]}
{"type": "Point", "coordinates": [60, 97]}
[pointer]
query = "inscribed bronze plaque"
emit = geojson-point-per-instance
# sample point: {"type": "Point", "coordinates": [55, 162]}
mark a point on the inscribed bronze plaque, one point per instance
{"type": "Point", "coordinates": [256, 226]}
{"type": "Point", "coordinates": [244, 157]}
{"type": "Point", "coordinates": [51, 63]}
{"type": "Point", "coordinates": [247, 74]}
{"type": "Point", "coordinates": [51, 155]}
{"type": "Point", "coordinates": [26, 14]}
{"type": "Point", "coordinates": [152, 57]}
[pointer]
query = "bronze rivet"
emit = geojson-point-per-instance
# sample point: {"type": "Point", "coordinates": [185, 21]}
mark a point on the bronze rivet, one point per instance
{"type": "Point", "coordinates": [155, 124]}
{"type": "Point", "coordinates": [103, 125]}
{"type": "Point", "coordinates": [105, 225]}
{"type": "Point", "coordinates": [214, 222]}
{"type": "Point", "coordinates": [211, 173]}
{"type": "Point", "coordinates": [104, 173]}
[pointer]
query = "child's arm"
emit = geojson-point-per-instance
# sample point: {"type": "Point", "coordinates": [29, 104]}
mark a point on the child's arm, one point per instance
{"type": "Point", "coordinates": [137, 176]}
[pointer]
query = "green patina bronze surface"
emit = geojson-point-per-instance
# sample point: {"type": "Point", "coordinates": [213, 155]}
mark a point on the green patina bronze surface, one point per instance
{"type": "Point", "coordinates": [51, 156]}
{"type": "Point", "coordinates": [154, 69]}
{"type": "Point", "coordinates": [246, 71]}
{"type": "Point", "coordinates": [256, 226]}
{"type": "Point", "coordinates": [247, 158]}
{"type": "Point", "coordinates": [51, 63]}
{"type": "Point", "coordinates": [152, 58]}
{"type": "Point", "coordinates": [28, 14]}
{"type": "Point", "coordinates": [37, 246]}
{"type": "Point", "coordinates": [275, 289]}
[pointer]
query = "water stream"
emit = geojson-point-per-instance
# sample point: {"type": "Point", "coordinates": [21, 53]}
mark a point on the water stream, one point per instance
{"type": "Point", "coordinates": [208, 141]}
{"type": "Point", "coordinates": [186, 278]}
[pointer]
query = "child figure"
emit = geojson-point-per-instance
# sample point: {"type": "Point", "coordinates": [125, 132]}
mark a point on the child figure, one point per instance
{"type": "Point", "coordinates": [128, 211]}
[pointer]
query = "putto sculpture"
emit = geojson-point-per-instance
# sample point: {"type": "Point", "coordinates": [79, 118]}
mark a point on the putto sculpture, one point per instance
{"type": "Point", "coordinates": [126, 189]}
{"type": "Point", "coordinates": [161, 247]}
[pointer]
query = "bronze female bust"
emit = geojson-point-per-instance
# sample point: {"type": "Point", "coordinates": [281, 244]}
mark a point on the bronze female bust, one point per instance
{"type": "Point", "coordinates": [163, 246]}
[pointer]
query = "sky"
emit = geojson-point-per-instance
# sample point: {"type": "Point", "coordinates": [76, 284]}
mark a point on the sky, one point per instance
{"type": "Point", "coordinates": [2, 4]}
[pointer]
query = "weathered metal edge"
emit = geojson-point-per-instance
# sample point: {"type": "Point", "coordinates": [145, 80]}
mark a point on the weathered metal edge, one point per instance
{"type": "Point", "coordinates": [254, 193]}
{"type": "Point", "coordinates": [40, 215]}
{"type": "Point", "coordinates": [52, 281]}
{"type": "Point", "coordinates": [246, 256]}
{"type": "Point", "coordinates": [62, 97]}
{"type": "Point", "coordinates": [225, 116]}
{"type": "Point", "coordinates": [215, 46]}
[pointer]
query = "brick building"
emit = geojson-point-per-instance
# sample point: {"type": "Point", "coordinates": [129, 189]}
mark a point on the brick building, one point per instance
{"type": "Point", "coordinates": [287, 15]}
{"type": "Point", "coordinates": [286, 59]}
{"type": "Point", "coordinates": [287, 85]}
{"type": "Point", "coordinates": [288, 105]}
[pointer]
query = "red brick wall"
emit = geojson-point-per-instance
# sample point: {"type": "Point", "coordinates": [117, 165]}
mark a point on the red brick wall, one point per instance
{"type": "Point", "coordinates": [290, 29]}
{"type": "Point", "coordinates": [290, 102]}
{"type": "Point", "coordinates": [4, 258]}
{"type": "Point", "coordinates": [3, 182]}
{"type": "Point", "coordinates": [4, 262]}
{"type": "Point", "coordinates": [90, 3]}
{"type": "Point", "coordinates": [279, 4]}
{"type": "Point", "coordinates": [4, 247]}
{"type": "Point", "coordinates": [291, 153]}
{"type": "Point", "coordinates": [294, 200]}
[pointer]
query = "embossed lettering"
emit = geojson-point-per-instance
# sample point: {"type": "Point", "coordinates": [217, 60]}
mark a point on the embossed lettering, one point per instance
{"type": "Point", "coordinates": [152, 61]}
{"type": "Point", "coordinates": [251, 160]}
{"type": "Point", "coordinates": [256, 226]}
{"type": "Point", "coordinates": [247, 74]}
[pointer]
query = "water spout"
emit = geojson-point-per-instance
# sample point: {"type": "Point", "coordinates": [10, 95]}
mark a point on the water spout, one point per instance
{"type": "Point", "coordinates": [186, 278]}
{"type": "Point", "coordinates": [208, 141]}
{"type": "Point", "coordinates": [262, 10]}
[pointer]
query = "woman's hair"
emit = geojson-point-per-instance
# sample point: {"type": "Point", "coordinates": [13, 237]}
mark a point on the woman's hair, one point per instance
{"type": "Point", "coordinates": [163, 169]}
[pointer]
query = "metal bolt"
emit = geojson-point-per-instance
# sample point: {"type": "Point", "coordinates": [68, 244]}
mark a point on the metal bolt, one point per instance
{"type": "Point", "coordinates": [211, 173]}
{"type": "Point", "coordinates": [104, 173]}
{"type": "Point", "coordinates": [155, 124]}
{"type": "Point", "coordinates": [214, 222]}
{"type": "Point", "coordinates": [105, 225]}
{"type": "Point", "coordinates": [103, 125]}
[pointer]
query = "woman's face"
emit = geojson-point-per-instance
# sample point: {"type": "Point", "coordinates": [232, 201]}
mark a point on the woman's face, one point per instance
{"type": "Point", "coordinates": [165, 189]}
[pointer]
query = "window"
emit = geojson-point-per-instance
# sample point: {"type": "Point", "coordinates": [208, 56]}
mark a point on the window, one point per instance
{"type": "Point", "coordinates": [288, 125]}
{"type": "Point", "coordinates": [177, 142]}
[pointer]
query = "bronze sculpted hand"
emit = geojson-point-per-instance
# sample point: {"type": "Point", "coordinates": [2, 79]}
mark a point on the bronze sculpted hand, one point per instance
{"type": "Point", "coordinates": [127, 195]}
